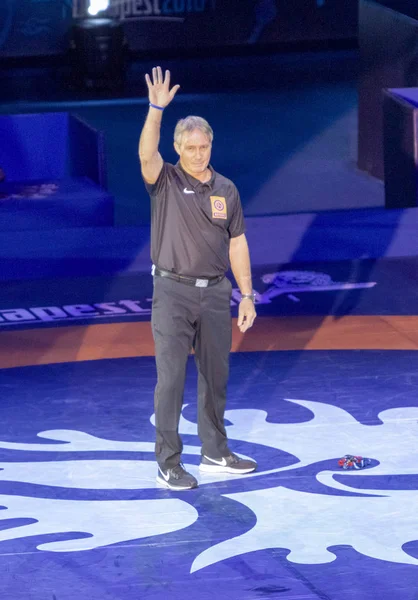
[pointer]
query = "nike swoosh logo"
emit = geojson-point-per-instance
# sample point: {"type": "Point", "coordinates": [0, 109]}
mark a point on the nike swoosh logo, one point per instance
{"type": "Point", "coordinates": [221, 463]}
{"type": "Point", "coordinates": [166, 477]}
{"type": "Point", "coordinates": [186, 191]}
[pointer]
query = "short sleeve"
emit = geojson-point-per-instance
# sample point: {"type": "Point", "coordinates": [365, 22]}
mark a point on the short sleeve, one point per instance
{"type": "Point", "coordinates": [237, 223]}
{"type": "Point", "coordinates": [159, 187]}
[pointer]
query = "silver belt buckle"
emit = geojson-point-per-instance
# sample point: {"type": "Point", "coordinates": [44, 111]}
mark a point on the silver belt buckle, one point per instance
{"type": "Point", "coordinates": [202, 283]}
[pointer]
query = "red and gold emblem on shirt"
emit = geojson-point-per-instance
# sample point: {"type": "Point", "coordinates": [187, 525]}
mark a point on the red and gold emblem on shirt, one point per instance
{"type": "Point", "coordinates": [218, 207]}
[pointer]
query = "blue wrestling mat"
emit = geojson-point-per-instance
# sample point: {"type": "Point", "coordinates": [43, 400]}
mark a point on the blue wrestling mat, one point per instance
{"type": "Point", "coordinates": [81, 510]}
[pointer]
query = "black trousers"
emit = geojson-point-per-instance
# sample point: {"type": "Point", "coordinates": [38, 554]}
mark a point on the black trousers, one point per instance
{"type": "Point", "coordinates": [186, 317]}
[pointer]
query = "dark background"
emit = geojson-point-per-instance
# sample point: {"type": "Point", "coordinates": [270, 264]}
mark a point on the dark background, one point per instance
{"type": "Point", "coordinates": [41, 27]}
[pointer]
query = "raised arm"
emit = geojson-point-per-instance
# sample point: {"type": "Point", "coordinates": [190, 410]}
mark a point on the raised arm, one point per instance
{"type": "Point", "coordinates": [159, 95]}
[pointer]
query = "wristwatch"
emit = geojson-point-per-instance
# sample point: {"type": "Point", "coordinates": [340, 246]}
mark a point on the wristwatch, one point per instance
{"type": "Point", "coordinates": [249, 296]}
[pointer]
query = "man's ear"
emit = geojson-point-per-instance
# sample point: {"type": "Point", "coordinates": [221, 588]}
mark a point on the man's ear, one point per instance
{"type": "Point", "coordinates": [177, 148]}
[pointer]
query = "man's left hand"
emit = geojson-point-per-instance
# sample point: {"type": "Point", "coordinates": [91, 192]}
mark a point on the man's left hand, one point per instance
{"type": "Point", "coordinates": [246, 314]}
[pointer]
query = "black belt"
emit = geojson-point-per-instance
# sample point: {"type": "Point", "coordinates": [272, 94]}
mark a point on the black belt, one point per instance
{"type": "Point", "coordinates": [196, 281]}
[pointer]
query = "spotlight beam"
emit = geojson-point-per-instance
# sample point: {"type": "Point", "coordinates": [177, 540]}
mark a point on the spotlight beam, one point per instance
{"type": "Point", "coordinates": [97, 6]}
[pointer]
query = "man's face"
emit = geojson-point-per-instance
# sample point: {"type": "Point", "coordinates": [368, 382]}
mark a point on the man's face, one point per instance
{"type": "Point", "coordinates": [194, 151]}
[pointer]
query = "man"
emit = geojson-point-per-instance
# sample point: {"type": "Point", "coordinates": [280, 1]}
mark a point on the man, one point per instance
{"type": "Point", "coordinates": [197, 229]}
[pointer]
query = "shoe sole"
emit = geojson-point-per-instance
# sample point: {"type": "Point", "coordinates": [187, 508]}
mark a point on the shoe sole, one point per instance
{"type": "Point", "coordinates": [228, 470]}
{"type": "Point", "coordinates": [165, 484]}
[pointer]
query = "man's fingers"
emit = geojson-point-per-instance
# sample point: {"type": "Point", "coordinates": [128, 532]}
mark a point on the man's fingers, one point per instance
{"type": "Point", "coordinates": [157, 75]}
{"type": "Point", "coordinates": [242, 321]}
{"type": "Point", "coordinates": [148, 80]}
{"type": "Point", "coordinates": [167, 78]}
{"type": "Point", "coordinates": [174, 91]}
{"type": "Point", "coordinates": [241, 317]}
{"type": "Point", "coordinates": [245, 321]}
{"type": "Point", "coordinates": [245, 326]}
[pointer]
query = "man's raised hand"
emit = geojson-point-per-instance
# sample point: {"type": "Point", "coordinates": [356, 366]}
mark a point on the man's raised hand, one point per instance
{"type": "Point", "coordinates": [159, 92]}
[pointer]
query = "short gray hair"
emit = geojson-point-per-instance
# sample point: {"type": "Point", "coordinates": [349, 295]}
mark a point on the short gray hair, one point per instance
{"type": "Point", "coordinates": [189, 124]}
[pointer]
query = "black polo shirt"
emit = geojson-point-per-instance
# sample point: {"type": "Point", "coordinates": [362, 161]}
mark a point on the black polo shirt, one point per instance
{"type": "Point", "coordinates": [192, 222]}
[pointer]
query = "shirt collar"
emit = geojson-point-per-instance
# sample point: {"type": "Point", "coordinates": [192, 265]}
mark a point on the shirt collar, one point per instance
{"type": "Point", "coordinates": [196, 182]}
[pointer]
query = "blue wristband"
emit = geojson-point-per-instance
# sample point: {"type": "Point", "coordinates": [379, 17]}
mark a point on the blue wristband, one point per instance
{"type": "Point", "coordinates": [155, 106]}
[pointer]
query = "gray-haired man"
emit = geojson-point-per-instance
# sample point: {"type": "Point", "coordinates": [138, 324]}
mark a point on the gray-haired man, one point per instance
{"type": "Point", "coordinates": [197, 232]}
